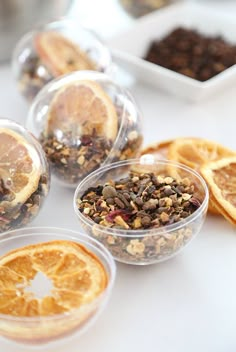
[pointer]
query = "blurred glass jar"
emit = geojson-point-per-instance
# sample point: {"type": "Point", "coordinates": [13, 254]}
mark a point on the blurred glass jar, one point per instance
{"type": "Point", "coordinates": [137, 8]}
{"type": "Point", "coordinates": [19, 16]}
{"type": "Point", "coordinates": [55, 49]}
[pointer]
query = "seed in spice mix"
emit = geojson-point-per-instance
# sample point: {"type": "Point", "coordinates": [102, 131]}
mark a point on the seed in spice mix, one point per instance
{"type": "Point", "coordinates": [193, 54]}
{"type": "Point", "coordinates": [81, 130]}
{"type": "Point", "coordinates": [141, 202]}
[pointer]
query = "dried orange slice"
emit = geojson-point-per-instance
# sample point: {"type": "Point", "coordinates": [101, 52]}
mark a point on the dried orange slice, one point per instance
{"type": "Point", "coordinates": [221, 178]}
{"type": "Point", "coordinates": [194, 152]}
{"type": "Point", "coordinates": [76, 274]}
{"type": "Point", "coordinates": [20, 169]}
{"type": "Point", "coordinates": [159, 150]}
{"type": "Point", "coordinates": [60, 55]}
{"type": "Point", "coordinates": [81, 109]}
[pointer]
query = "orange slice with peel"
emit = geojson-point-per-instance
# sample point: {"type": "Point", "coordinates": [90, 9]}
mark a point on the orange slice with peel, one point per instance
{"type": "Point", "coordinates": [221, 178]}
{"type": "Point", "coordinates": [77, 275]}
{"type": "Point", "coordinates": [60, 55]}
{"type": "Point", "coordinates": [81, 109]}
{"type": "Point", "coordinates": [194, 152]}
{"type": "Point", "coordinates": [20, 169]}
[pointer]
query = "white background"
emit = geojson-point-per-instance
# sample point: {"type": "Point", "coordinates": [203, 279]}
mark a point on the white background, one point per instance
{"type": "Point", "coordinates": [187, 304]}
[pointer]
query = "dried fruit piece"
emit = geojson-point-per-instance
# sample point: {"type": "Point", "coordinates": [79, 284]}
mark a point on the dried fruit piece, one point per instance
{"type": "Point", "coordinates": [20, 169]}
{"type": "Point", "coordinates": [159, 150]}
{"type": "Point", "coordinates": [60, 55]}
{"type": "Point", "coordinates": [194, 152]}
{"type": "Point", "coordinates": [81, 109]}
{"type": "Point", "coordinates": [76, 274]}
{"type": "Point", "coordinates": [221, 178]}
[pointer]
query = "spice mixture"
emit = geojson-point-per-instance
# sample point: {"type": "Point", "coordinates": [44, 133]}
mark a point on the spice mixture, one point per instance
{"type": "Point", "coordinates": [71, 163]}
{"type": "Point", "coordinates": [140, 202]}
{"type": "Point", "coordinates": [191, 53]}
{"type": "Point", "coordinates": [22, 214]}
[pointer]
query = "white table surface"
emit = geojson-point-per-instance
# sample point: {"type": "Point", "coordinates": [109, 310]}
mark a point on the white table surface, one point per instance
{"type": "Point", "coordinates": [186, 304]}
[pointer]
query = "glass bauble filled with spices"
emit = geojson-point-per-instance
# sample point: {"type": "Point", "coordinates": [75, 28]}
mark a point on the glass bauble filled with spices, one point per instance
{"type": "Point", "coordinates": [24, 176]}
{"type": "Point", "coordinates": [84, 120]}
{"type": "Point", "coordinates": [55, 49]}
{"type": "Point", "coordinates": [143, 210]}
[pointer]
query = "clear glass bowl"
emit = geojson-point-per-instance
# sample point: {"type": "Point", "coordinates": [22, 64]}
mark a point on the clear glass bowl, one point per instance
{"type": "Point", "coordinates": [72, 149]}
{"type": "Point", "coordinates": [24, 176]}
{"type": "Point", "coordinates": [35, 63]}
{"type": "Point", "coordinates": [151, 245]}
{"type": "Point", "coordinates": [36, 331]}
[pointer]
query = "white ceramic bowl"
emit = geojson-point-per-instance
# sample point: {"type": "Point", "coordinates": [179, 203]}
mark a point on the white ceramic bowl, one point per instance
{"type": "Point", "coordinates": [128, 53]}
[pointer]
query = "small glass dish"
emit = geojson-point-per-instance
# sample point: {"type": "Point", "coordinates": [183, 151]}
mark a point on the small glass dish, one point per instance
{"type": "Point", "coordinates": [24, 176]}
{"type": "Point", "coordinates": [41, 330]}
{"type": "Point", "coordinates": [142, 245]}
{"type": "Point", "coordinates": [54, 49]}
{"type": "Point", "coordinates": [85, 120]}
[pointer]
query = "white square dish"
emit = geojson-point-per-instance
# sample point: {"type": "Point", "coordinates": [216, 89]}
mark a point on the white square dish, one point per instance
{"type": "Point", "coordinates": [129, 48]}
